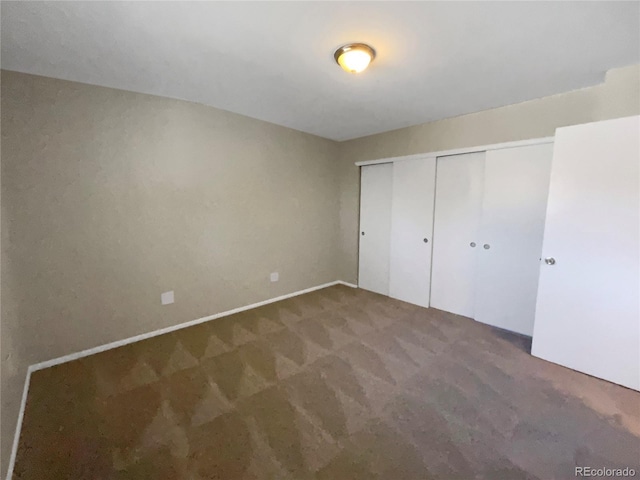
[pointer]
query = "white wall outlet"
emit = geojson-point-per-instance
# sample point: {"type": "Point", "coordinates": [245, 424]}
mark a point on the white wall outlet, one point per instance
{"type": "Point", "coordinates": [274, 277]}
{"type": "Point", "coordinates": [167, 297]}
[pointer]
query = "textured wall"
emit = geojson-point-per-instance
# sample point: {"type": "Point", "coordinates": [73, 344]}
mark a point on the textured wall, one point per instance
{"type": "Point", "coordinates": [618, 96]}
{"type": "Point", "coordinates": [110, 198]}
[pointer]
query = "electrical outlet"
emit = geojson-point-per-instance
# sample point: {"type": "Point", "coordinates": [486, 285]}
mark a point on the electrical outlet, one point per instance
{"type": "Point", "coordinates": [167, 298]}
{"type": "Point", "coordinates": [275, 277]}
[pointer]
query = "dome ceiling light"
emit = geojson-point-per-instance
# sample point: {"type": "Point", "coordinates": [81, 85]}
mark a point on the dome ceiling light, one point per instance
{"type": "Point", "coordinates": [354, 57]}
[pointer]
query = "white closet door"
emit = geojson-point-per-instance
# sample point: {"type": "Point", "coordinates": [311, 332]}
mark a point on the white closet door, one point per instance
{"type": "Point", "coordinates": [459, 185]}
{"type": "Point", "coordinates": [411, 230]}
{"type": "Point", "coordinates": [587, 315]}
{"type": "Point", "coordinates": [375, 227]}
{"type": "Point", "coordinates": [516, 186]}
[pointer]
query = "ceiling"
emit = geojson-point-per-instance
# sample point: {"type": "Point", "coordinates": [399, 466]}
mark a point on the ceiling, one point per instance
{"type": "Point", "coordinates": [274, 60]}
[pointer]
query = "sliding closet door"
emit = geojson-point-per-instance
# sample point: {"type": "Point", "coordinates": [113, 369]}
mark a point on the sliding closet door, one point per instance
{"type": "Point", "coordinates": [411, 230]}
{"type": "Point", "coordinates": [516, 186]}
{"type": "Point", "coordinates": [458, 204]}
{"type": "Point", "coordinates": [587, 315]}
{"type": "Point", "coordinates": [375, 227]}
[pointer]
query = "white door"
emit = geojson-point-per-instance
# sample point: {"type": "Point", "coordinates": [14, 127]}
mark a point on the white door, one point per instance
{"type": "Point", "coordinates": [458, 206]}
{"type": "Point", "coordinates": [516, 186]}
{"type": "Point", "coordinates": [375, 227]}
{"type": "Point", "coordinates": [587, 314]}
{"type": "Point", "coordinates": [411, 230]}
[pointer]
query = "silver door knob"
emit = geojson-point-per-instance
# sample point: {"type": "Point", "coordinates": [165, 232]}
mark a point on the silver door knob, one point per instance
{"type": "Point", "coordinates": [472, 244]}
{"type": "Point", "coordinates": [486, 246]}
{"type": "Point", "coordinates": [425, 240]}
{"type": "Point", "coordinates": [550, 261]}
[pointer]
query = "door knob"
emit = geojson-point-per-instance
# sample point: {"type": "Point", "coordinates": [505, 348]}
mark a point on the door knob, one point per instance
{"type": "Point", "coordinates": [425, 240]}
{"type": "Point", "coordinates": [486, 246]}
{"type": "Point", "coordinates": [363, 233]}
{"type": "Point", "coordinates": [550, 261]}
{"type": "Point", "coordinates": [472, 244]}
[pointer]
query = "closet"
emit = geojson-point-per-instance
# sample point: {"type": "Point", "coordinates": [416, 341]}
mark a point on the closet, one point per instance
{"type": "Point", "coordinates": [396, 224]}
{"type": "Point", "coordinates": [464, 232]}
{"type": "Point", "coordinates": [489, 222]}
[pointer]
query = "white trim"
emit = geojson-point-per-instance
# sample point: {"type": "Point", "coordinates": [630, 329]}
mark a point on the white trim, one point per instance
{"type": "Point", "coordinates": [119, 343]}
{"type": "Point", "coordinates": [458, 151]}
{"type": "Point", "coordinates": [16, 438]}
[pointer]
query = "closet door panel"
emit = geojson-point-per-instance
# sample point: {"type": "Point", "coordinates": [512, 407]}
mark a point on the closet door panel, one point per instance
{"type": "Point", "coordinates": [375, 227]}
{"type": "Point", "coordinates": [458, 206]}
{"type": "Point", "coordinates": [516, 186]}
{"type": "Point", "coordinates": [411, 230]}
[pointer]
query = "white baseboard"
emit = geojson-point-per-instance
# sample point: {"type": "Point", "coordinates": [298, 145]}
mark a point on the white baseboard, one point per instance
{"type": "Point", "coordinates": [16, 437]}
{"type": "Point", "coordinates": [137, 338]}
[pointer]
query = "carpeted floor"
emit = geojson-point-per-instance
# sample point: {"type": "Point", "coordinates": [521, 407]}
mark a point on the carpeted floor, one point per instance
{"type": "Point", "coordinates": [338, 384]}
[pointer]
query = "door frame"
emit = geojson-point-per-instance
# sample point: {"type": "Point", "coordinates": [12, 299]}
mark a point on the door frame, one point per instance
{"type": "Point", "coordinates": [458, 151]}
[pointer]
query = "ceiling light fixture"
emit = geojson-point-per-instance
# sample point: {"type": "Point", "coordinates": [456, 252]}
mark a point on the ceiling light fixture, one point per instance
{"type": "Point", "coordinates": [354, 57]}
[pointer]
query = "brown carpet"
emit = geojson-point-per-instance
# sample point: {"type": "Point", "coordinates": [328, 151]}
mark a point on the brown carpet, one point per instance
{"type": "Point", "coordinates": [338, 384]}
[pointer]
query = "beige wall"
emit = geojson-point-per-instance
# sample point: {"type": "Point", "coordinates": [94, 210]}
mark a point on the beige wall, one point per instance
{"type": "Point", "coordinates": [618, 96]}
{"type": "Point", "coordinates": [110, 198]}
